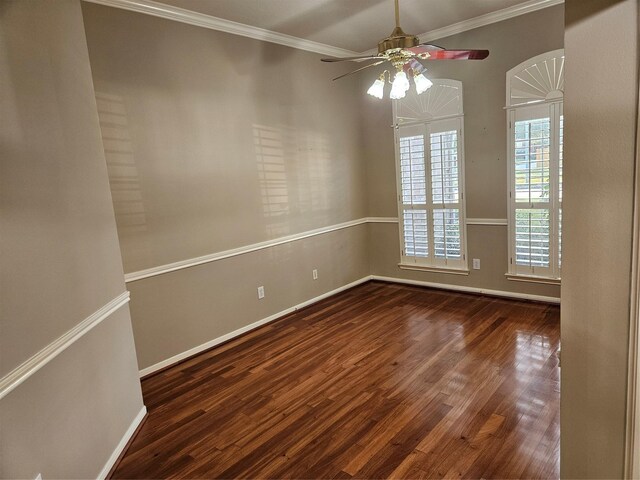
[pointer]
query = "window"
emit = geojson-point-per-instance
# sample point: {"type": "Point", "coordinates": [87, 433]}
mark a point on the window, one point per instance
{"type": "Point", "coordinates": [429, 163]}
{"type": "Point", "coordinates": [535, 134]}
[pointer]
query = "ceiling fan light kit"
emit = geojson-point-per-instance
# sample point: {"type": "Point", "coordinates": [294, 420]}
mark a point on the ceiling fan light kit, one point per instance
{"type": "Point", "coordinates": [422, 83]}
{"type": "Point", "coordinates": [400, 86]}
{"type": "Point", "coordinates": [403, 51]}
{"type": "Point", "coordinates": [377, 89]}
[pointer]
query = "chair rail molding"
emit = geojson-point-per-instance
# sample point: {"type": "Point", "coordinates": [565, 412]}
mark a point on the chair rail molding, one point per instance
{"type": "Point", "coordinates": [254, 247]}
{"type": "Point", "coordinates": [212, 257]}
{"type": "Point", "coordinates": [25, 370]}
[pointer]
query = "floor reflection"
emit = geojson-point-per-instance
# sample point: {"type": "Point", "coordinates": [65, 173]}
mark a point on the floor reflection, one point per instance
{"type": "Point", "coordinates": [381, 381]}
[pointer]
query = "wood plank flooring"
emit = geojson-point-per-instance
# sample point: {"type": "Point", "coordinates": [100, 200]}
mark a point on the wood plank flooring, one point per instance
{"type": "Point", "coordinates": [381, 381]}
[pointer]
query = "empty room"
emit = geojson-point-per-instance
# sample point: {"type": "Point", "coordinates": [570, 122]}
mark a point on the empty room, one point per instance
{"type": "Point", "coordinates": [315, 239]}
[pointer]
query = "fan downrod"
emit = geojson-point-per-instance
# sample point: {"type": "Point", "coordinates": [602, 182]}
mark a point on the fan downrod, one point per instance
{"type": "Point", "coordinates": [398, 39]}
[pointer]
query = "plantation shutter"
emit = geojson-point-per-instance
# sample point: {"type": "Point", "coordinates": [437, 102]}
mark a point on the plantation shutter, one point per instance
{"type": "Point", "coordinates": [430, 197]}
{"type": "Point", "coordinates": [413, 196]}
{"type": "Point", "coordinates": [536, 193]}
{"type": "Point", "coordinates": [446, 195]}
{"type": "Point", "coordinates": [535, 91]}
{"type": "Point", "coordinates": [560, 156]}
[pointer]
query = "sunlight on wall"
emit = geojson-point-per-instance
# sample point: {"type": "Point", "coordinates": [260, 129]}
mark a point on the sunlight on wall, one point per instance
{"type": "Point", "coordinates": [313, 177]}
{"type": "Point", "coordinates": [123, 173]}
{"type": "Point", "coordinates": [295, 178]}
{"type": "Point", "coordinates": [272, 176]}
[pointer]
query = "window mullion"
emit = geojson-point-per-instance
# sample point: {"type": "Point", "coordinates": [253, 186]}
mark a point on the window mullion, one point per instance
{"type": "Point", "coordinates": [511, 170]}
{"type": "Point", "coordinates": [413, 213]}
{"type": "Point", "coordinates": [429, 190]}
{"type": "Point", "coordinates": [553, 187]}
{"type": "Point", "coordinates": [444, 196]}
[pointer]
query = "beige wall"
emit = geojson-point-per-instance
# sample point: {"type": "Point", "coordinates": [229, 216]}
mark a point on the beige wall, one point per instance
{"type": "Point", "coordinates": [175, 312]}
{"type": "Point", "coordinates": [56, 244]}
{"type": "Point", "coordinates": [510, 43]}
{"type": "Point", "coordinates": [600, 110]}
{"type": "Point", "coordinates": [60, 254]}
{"type": "Point", "coordinates": [67, 420]}
{"type": "Point", "coordinates": [187, 115]}
{"type": "Point", "coordinates": [214, 142]}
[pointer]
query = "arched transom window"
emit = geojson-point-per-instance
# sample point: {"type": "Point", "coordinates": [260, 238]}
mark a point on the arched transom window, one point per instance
{"type": "Point", "coordinates": [535, 139]}
{"type": "Point", "coordinates": [429, 161]}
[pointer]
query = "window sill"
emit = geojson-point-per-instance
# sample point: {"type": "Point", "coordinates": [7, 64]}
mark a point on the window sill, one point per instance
{"type": "Point", "coordinates": [532, 279]}
{"type": "Point", "coordinates": [425, 268]}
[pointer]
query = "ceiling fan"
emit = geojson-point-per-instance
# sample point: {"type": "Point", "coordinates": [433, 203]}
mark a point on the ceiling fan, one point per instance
{"type": "Point", "coordinates": [404, 52]}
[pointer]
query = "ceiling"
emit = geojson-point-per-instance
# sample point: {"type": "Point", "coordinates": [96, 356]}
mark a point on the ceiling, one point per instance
{"type": "Point", "coordinates": [355, 25]}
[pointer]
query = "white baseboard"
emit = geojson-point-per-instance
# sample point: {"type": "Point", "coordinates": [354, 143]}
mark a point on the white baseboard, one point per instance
{"type": "Point", "coordinates": [212, 343]}
{"type": "Point", "coordinates": [458, 288]}
{"type": "Point", "coordinates": [240, 331]}
{"type": "Point", "coordinates": [216, 341]}
{"type": "Point", "coordinates": [122, 444]}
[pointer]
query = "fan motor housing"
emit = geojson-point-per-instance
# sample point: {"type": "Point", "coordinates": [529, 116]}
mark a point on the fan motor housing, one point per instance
{"type": "Point", "coordinates": [397, 40]}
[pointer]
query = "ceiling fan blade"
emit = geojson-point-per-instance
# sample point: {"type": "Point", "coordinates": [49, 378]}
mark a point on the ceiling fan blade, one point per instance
{"type": "Point", "coordinates": [429, 47]}
{"type": "Point", "coordinates": [415, 65]}
{"type": "Point", "coordinates": [452, 54]}
{"type": "Point", "coordinates": [366, 66]}
{"type": "Point", "coordinates": [425, 48]}
{"type": "Point", "coordinates": [344, 59]}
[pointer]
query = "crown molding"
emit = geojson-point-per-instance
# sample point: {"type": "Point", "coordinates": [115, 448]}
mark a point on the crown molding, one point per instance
{"type": "Point", "coordinates": [169, 12]}
{"type": "Point", "coordinates": [157, 9]}
{"type": "Point", "coordinates": [483, 20]}
{"type": "Point", "coordinates": [488, 19]}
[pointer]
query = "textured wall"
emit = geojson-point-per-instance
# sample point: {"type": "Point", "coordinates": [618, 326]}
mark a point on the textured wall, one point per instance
{"type": "Point", "coordinates": [58, 230]}
{"type": "Point", "coordinates": [175, 312]}
{"type": "Point", "coordinates": [60, 255]}
{"type": "Point", "coordinates": [214, 142]}
{"type": "Point", "coordinates": [600, 108]}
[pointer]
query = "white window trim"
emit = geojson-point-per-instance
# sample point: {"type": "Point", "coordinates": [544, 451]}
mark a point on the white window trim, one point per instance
{"type": "Point", "coordinates": [532, 274]}
{"type": "Point", "coordinates": [430, 264]}
{"type": "Point", "coordinates": [532, 279]}
{"type": "Point", "coordinates": [426, 268]}
{"type": "Point", "coordinates": [554, 100]}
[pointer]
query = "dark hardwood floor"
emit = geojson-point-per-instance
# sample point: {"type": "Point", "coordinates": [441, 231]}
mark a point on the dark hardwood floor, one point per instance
{"type": "Point", "coordinates": [379, 381]}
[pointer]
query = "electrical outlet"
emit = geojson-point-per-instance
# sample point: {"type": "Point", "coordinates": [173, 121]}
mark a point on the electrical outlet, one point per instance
{"type": "Point", "coordinates": [260, 293]}
{"type": "Point", "coordinates": [476, 264]}
{"type": "Point", "coordinates": [315, 274]}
